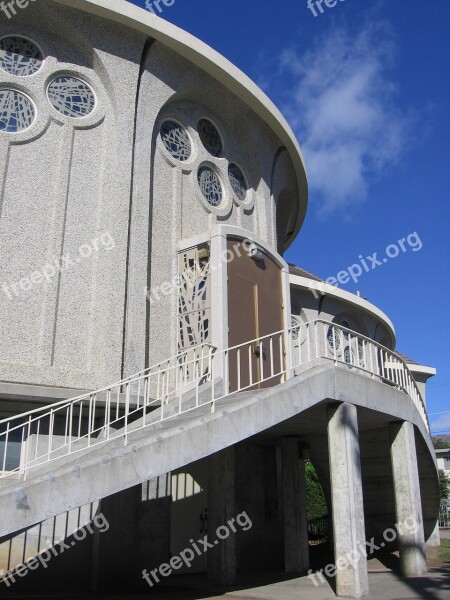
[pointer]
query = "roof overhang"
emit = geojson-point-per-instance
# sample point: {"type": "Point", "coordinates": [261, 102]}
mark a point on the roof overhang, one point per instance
{"type": "Point", "coordinates": [218, 67]}
{"type": "Point", "coordinates": [422, 370]}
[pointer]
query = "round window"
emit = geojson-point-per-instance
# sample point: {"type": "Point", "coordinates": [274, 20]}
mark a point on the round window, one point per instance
{"type": "Point", "coordinates": [238, 181]}
{"type": "Point", "coordinates": [176, 140]}
{"type": "Point", "coordinates": [71, 96]}
{"type": "Point", "coordinates": [334, 339]}
{"type": "Point", "coordinates": [347, 325]}
{"type": "Point", "coordinates": [17, 111]}
{"type": "Point", "coordinates": [210, 137]}
{"type": "Point", "coordinates": [295, 326]}
{"type": "Point", "coordinates": [19, 56]}
{"type": "Point", "coordinates": [210, 185]}
{"type": "Point", "coordinates": [349, 356]}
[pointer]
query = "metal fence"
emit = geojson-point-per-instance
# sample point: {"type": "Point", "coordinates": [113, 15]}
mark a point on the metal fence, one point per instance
{"type": "Point", "coordinates": [444, 514]}
{"type": "Point", "coordinates": [318, 528]}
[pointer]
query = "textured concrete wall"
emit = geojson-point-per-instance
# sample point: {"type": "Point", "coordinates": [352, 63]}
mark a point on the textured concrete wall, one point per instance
{"type": "Point", "coordinates": [172, 89]}
{"type": "Point", "coordinates": [68, 182]}
{"type": "Point", "coordinates": [65, 183]}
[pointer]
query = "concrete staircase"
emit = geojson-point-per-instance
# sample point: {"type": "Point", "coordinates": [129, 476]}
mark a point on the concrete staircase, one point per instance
{"type": "Point", "coordinates": [162, 446]}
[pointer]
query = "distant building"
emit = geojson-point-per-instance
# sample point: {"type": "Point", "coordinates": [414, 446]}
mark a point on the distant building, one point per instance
{"type": "Point", "coordinates": [443, 460]}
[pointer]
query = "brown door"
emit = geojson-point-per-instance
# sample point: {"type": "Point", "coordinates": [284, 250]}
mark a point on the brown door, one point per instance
{"type": "Point", "coordinates": [254, 311]}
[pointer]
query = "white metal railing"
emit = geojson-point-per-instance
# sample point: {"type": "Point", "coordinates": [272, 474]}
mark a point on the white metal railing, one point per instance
{"type": "Point", "coordinates": [356, 351]}
{"type": "Point", "coordinates": [198, 377]}
{"type": "Point", "coordinates": [444, 514]}
{"type": "Point", "coordinates": [69, 426]}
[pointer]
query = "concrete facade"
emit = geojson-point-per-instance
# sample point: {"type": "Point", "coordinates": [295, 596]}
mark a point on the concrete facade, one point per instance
{"type": "Point", "coordinates": [99, 218]}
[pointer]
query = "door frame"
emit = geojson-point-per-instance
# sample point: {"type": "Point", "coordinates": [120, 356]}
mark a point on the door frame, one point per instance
{"type": "Point", "coordinates": [217, 237]}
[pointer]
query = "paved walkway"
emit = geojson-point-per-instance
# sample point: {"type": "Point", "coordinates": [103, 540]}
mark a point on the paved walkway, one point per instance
{"type": "Point", "coordinates": [383, 586]}
{"type": "Point", "coordinates": [384, 583]}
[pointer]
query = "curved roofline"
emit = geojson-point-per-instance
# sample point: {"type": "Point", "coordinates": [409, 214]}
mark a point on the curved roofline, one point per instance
{"type": "Point", "coordinates": [213, 63]}
{"type": "Point", "coordinates": [331, 290]}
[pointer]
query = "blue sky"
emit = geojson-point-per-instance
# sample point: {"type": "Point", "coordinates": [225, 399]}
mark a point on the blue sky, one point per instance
{"type": "Point", "coordinates": [365, 87]}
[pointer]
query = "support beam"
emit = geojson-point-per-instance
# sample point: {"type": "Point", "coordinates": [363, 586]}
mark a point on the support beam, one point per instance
{"type": "Point", "coordinates": [221, 508]}
{"type": "Point", "coordinates": [296, 547]}
{"type": "Point", "coordinates": [408, 503]}
{"type": "Point", "coordinates": [347, 502]}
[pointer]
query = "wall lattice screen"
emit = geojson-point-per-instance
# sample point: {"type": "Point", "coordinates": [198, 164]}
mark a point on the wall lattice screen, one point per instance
{"type": "Point", "coordinates": [194, 301]}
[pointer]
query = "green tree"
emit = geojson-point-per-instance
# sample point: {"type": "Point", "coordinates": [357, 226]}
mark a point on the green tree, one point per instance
{"type": "Point", "coordinates": [316, 505]}
{"type": "Point", "coordinates": [443, 484]}
{"type": "Point", "coordinates": [439, 444]}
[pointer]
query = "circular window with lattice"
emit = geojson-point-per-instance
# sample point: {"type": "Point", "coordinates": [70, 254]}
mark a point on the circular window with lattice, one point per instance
{"type": "Point", "coordinates": [238, 181]}
{"type": "Point", "coordinates": [176, 140]}
{"type": "Point", "coordinates": [210, 185]}
{"type": "Point", "coordinates": [295, 327]}
{"type": "Point", "coordinates": [71, 96]}
{"type": "Point", "coordinates": [210, 137]}
{"type": "Point", "coordinates": [19, 56]}
{"type": "Point", "coordinates": [17, 111]}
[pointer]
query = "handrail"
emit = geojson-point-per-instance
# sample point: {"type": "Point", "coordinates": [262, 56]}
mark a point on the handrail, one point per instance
{"type": "Point", "coordinates": [122, 382]}
{"type": "Point", "coordinates": [386, 370]}
{"type": "Point", "coordinates": [188, 381]}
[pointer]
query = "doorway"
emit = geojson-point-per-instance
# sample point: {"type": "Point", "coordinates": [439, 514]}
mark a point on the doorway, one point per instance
{"type": "Point", "coordinates": [255, 310]}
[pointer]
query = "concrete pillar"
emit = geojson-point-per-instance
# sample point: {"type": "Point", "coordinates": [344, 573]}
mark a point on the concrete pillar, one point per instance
{"type": "Point", "coordinates": [408, 503]}
{"type": "Point", "coordinates": [296, 547]}
{"type": "Point", "coordinates": [434, 541]}
{"type": "Point", "coordinates": [350, 567]}
{"type": "Point", "coordinates": [114, 561]}
{"type": "Point", "coordinates": [153, 517]}
{"type": "Point", "coordinates": [221, 508]}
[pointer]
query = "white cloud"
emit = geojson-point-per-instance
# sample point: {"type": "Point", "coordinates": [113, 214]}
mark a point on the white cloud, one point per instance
{"type": "Point", "coordinates": [441, 422]}
{"type": "Point", "coordinates": [341, 104]}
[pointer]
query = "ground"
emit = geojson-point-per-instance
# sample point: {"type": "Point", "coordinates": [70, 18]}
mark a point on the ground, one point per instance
{"type": "Point", "coordinates": [384, 580]}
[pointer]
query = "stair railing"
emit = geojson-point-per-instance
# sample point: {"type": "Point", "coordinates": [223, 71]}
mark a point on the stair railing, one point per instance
{"type": "Point", "coordinates": [197, 377]}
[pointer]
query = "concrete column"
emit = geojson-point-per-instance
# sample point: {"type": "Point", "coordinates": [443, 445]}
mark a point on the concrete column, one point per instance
{"type": "Point", "coordinates": [153, 514]}
{"type": "Point", "coordinates": [408, 503]}
{"type": "Point", "coordinates": [434, 541]}
{"type": "Point", "coordinates": [350, 567]}
{"type": "Point", "coordinates": [296, 547]}
{"type": "Point", "coordinates": [221, 508]}
{"type": "Point", "coordinates": [114, 563]}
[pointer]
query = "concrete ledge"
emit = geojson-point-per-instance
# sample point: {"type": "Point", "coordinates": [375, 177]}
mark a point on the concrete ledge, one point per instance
{"type": "Point", "coordinates": [22, 391]}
